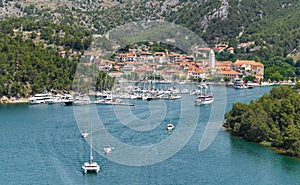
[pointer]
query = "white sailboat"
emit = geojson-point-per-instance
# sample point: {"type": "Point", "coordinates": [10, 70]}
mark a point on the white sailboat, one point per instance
{"type": "Point", "coordinates": [170, 125]}
{"type": "Point", "coordinates": [91, 166]}
{"type": "Point", "coordinates": [85, 133]}
{"type": "Point", "coordinates": [107, 148]}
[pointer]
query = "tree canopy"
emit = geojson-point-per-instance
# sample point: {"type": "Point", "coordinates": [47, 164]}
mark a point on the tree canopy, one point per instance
{"type": "Point", "coordinates": [273, 118]}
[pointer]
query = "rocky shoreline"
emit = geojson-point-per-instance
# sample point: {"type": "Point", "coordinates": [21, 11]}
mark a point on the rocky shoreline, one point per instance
{"type": "Point", "coordinates": [5, 100]}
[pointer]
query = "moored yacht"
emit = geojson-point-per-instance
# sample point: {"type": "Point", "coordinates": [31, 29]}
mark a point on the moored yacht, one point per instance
{"type": "Point", "coordinates": [40, 98]}
{"type": "Point", "coordinates": [238, 83]}
{"type": "Point", "coordinates": [68, 99]}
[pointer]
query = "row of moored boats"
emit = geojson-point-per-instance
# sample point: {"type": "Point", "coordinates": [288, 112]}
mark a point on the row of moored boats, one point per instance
{"type": "Point", "coordinates": [116, 97]}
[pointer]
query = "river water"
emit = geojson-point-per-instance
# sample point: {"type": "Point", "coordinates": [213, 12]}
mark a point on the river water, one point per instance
{"type": "Point", "coordinates": [41, 144]}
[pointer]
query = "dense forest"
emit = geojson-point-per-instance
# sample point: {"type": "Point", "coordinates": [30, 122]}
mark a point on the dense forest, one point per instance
{"type": "Point", "coordinates": [273, 119]}
{"type": "Point", "coordinates": [30, 60]}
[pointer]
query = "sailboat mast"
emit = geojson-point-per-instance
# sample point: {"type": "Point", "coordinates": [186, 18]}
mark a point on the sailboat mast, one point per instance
{"type": "Point", "coordinates": [106, 138]}
{"type": "Point", "coordinates": [91, 147]}
{"type": "Point", "coordinates": [170, 110]}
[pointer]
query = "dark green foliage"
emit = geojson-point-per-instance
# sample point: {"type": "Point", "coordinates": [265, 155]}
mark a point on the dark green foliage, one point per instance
{"type": "Point", "coordinates": [279, 68]}
{"type": "Point", "coordinates": [104, 82]}
{"type": "Point", "coordinates": [28, 68]}
{"type": "Point", "coordinates": [272, 118]}
{"type": "Point", "coordinates": [250, 78]}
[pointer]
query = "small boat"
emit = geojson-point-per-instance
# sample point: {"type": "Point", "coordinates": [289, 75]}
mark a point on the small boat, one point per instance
{"type": "Point", "coordinates": [184, 91]}
{"type": "Point", "coordinates": [238, 83]}
{"type": "Point", "coordinates": [82, 100]}
{"type": "Point", "coordinates": [84, 134]}
{"type": "Point", "coordinates": [170, 126]}
{"type": "Point", "coordinates": [91, 166]}
{"type": "Point", "coordinates": [204, 99]}
{"type": "Point", "coordinates": [107, 148]}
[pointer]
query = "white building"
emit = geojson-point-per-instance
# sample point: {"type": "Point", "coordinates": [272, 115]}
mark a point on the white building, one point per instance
{"type": "Point", "coordinates": [212, 59]}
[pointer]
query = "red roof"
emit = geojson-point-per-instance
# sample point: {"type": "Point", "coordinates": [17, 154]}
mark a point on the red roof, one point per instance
{"type": "Point", "coordinates": [248, 62]}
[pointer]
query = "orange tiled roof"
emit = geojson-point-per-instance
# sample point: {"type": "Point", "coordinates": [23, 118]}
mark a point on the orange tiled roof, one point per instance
{"type": "Point", "coordinates": [204, 49]}
{"type": "Point", "coordinates": [229, 72]}
{"type": "Point", "coordinates": [199, 71]}
{"type": "Point", "coordinates": [185, 63]}
{"type": "Point", "coordinates": [134, 63]}
{"type": "Point", "coordinates": [129, 54]}
{"type": "Point", "coordinates": [174, 55]}
{"type": "Point", "coordinates": [249, 62]}
{"type": "Point", "coordinates": [143, 69]}
{"type": "Point", "coordinates": [223, 64]}
{"type": "Point", "coordinates": [173, 71]}
{"type": "Point", "coordinates": [144, 53]}
{"type": "Point", "coordinates": [191, 67]}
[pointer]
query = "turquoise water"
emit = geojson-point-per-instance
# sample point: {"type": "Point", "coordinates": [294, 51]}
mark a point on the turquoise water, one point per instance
{"type": "Point", "coordinates": [41, 144]}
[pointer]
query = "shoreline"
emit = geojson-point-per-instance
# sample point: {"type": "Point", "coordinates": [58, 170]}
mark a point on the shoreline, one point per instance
{"type": "Point", "coordinates": [266, 144]}
{"type": "Point", "coordinates": [5, 100]}
{"type": "Point", "coordinates": [14, 101]}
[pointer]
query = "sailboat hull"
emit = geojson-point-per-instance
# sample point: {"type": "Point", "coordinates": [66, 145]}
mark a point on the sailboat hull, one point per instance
{"type": "Point", "coordinates": [90, 167]}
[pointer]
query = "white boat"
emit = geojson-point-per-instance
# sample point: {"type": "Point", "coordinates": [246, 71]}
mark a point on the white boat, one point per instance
{"type": "Point", "coordinates": [40, 98]}
{"type": "Point", "coordinates": [82, 100]}
{"type": "Point", "coordinates": [91, 166]}
{"type": "Point", "coordinates": [84, 134]}
{"type": "Point", "coordinates": [184, 91]}
{"type": "Point", "coordinates": [203, 85]}
{"type": "Point", "coordinates": [68, 99]}
{"type": "Point", "coordinates": [238, 83]}
{"type": "Point", "coordinates": [170, 126]}
{"type": "Point", "coordinates": [204, 99]}
{"type": "Point", "coordinates": [107, 148]}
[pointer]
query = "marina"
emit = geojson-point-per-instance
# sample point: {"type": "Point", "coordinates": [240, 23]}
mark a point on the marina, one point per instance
{"type": "Point", "coordinates": [32, 137]}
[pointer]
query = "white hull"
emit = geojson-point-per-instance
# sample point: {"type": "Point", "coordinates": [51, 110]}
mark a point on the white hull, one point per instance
{"type": "Point", "coordinates": [90, 167]}
{"type": "Point", "coordinates": [40, 98]}
{"type": "Point", "coordinates": [108, 149]}
{"type": "Point", "coordinates": [240, 86]}
{"type": "Point", "coordinates": [84, 134]}
{"type": "Point", "coordinates": [204, 100]}
{"type": "Point", "coordinates": [170, 127]}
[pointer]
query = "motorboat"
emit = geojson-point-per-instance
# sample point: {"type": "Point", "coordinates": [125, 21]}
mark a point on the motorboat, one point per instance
{"type": "Point", "coordinates": [238, 83]}
{"type": "Point", "coordinates": [170, 126]}
{"type": "Point", "coordinates": [82, 100]}
{"type": "Point", "coordinates": [40, 98]}
{"type": "Point", "coordinates": [84, 134]}
{"type": "Point", "coordinates": [204, 99]}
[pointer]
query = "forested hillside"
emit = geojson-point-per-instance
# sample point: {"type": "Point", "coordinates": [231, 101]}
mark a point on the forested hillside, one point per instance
{"type": "Point", "coordinates": [55, 33]}
{"type": "Point", "coordinates": [272, 119]}
{"type": "Point", "coordinates": [30, 60]}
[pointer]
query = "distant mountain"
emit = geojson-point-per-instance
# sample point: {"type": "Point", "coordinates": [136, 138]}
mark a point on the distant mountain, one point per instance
{"type": "Point", "coordinates": [273, 25]}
